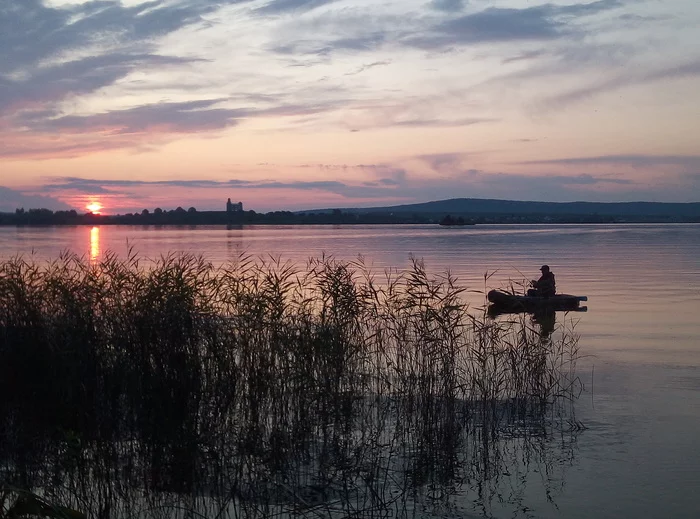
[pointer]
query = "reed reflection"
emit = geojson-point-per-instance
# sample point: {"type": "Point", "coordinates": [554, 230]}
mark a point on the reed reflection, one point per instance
{"type": "Point", "coordinates": [94, 244]}
{"type": "Point", "coordinates": [260, 390]}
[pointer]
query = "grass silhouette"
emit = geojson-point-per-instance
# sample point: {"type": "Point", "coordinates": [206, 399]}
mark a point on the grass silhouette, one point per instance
{"type": "Point", "coordinates": [132, 388]}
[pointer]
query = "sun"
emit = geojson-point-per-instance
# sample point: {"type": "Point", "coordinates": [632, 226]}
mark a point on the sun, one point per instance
{"type": "Point", "coordinates": [94, 207]}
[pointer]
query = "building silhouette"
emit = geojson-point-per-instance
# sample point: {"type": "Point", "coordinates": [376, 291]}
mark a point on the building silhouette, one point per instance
{"type": "Point", "coordinates": [233, 208]}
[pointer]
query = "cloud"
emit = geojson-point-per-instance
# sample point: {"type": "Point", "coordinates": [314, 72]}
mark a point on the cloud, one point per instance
{"type": "Point", "coordinates": [46, 135]}
{"type": "Point", "coordinates": [32, 32]}
{"type": "Point", "coordinates": [551, 181]}
{"type": "Point", "coordinates": [17, 146]}
{"type": "Point", "coordinates": [54, 83]}
{"type": "Point", "coordinates": [368, 66]}
{"type": "Point", "coordinates": [49, 134]}
{"type": "Point", "coordinates": [87, 185]}
{"type": "Point", "coordinates": [115, 186]}
{"type": "Point", "coordinates": [360, 43]}
{"type": "Point", "coordinates": [11, 199]}
{"type": "Point", "coordinates": [361, 183]}
{"type": "Point", "coordinates": [637, 77]}
{"type": "Point", "coordinates": [390, 184]}
{"type": "Point", "coordinates": [500, 24]}
{"type": "Point", "coordinates": [367, 31]}
{"type": "Point", "coordinates": [639, 20]}
{"type": "Point", "coordinates": [109, 74]}
{"type": "Point", "coordinates": [444, 162]}
{"type": "Point", "coordinates": [387, 174]}
{"type": "Point", "coordinates": [496, 24]}
{"type": "Point", "coordinates": [448, 6]}
{"type": "Point", "coordinates": [189, 116]}
{"type": "Point", "coordinates": [555, 62]}
{"type": "Point", "coordinates": [53, 55]}
{"type": "Point", "coordinates": [585, 179]}
{"type": "Point", "coordinates": [641, 161]}
{"type": "Point", "coordinates": [525, 56]}
{"type": "Point", "coordinates": [474, 183]}
{"type": "Point", "coordinates": [289, 6]}
{"type": "Point", "coordinates": [440, 123]}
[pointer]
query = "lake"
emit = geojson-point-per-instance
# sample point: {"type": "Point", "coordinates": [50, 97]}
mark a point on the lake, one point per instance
{"type": "Point", "coordinates": [639, 340]}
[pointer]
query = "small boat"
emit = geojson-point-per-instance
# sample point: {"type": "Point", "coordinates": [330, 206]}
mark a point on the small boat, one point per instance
{"type": "Point", "coordinates": [512, 302]}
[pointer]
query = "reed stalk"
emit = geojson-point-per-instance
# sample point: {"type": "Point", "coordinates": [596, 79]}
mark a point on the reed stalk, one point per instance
{"type": "Point", "coordinates": [260, 388]}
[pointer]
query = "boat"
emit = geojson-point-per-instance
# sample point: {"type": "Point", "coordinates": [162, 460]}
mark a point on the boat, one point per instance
{"type": "Point", "coordinates": [506, 302]}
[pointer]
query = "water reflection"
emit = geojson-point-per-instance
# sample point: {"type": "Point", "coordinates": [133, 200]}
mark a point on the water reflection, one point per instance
{"type": "Point", "coordinates": [642, 351]}
{"type": "Point", "coordinates": [257, 446]}
{"type": "Point", "coordinates": [94, 244]}
{"type": "Point", "coordinates": [546, 320]}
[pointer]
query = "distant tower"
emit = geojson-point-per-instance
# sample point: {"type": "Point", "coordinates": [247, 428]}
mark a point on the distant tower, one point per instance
{"type": "Point", "coordinates": [233, 208]}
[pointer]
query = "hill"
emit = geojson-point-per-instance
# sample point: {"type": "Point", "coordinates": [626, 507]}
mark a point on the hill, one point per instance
{"type": "Point", "coordinates": [485, 207]}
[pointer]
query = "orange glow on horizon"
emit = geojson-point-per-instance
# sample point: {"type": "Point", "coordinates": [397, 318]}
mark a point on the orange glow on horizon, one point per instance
{"type": "Point", "coordinates": [94, 207]}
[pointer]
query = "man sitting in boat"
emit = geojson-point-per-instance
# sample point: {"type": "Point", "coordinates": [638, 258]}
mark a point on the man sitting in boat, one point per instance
{"type": "Point", "coordinates": [545, 286]}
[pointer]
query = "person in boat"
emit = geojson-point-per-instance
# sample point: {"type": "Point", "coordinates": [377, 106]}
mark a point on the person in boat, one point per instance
{"type": "Point", "coordinates": [545, 286]}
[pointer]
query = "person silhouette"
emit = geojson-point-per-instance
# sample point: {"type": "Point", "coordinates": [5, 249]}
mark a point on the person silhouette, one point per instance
{"type": "Point", "coordinates": [545, 286]}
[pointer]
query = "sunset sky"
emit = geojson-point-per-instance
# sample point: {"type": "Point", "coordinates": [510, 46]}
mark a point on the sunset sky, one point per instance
{"type": "Point", "coordinates": [300, 104]}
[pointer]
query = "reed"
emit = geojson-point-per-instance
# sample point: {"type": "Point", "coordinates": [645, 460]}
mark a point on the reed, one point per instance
{"type": "Point", "coordinates": [263, 388]}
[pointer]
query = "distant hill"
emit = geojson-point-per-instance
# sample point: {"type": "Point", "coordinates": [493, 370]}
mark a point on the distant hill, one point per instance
{"type": "Point", "coordinates": [457, 211]}
{"type": "Point", "coordinates": [479, 206]}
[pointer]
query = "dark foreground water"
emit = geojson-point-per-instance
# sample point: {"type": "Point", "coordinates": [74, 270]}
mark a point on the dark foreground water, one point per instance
{"type": "Point", "coordinates": [637, 455]}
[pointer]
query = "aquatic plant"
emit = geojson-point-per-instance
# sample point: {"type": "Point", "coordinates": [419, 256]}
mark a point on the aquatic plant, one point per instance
{"type": "Point", "coordinates": [257, 388]}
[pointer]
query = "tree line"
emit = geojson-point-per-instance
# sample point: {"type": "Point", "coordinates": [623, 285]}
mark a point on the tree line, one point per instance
{"type": "Point", "coordinates": [192, 216]}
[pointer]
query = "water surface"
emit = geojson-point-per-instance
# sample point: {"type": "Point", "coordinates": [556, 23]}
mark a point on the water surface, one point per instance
{"type": "Point", "coordinates": [640, 338]}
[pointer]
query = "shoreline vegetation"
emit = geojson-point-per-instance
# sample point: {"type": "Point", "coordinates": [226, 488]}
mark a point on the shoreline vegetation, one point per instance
{"type": "Point", "coordinates": [464, 210]}
{"type": "Point", "coordinates": [44, 217]}
{"type": "Point", "coordinates": [265, 389]}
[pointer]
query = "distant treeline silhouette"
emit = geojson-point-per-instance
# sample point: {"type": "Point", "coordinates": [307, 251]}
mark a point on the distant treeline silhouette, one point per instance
{"type": "Point", "coordinates": [192, 216]}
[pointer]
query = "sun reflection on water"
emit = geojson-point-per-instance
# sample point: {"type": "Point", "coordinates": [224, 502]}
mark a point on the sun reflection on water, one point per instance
{"type": "Point", "coordinates": [94, 243]}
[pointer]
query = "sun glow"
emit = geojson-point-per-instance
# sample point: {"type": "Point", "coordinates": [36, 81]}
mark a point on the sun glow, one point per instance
{"type": "Point", "coordinates": [94, 207]}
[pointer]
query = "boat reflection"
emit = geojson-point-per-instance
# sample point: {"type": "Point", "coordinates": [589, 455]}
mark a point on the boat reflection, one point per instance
{"type": "Point", "coordinates": [496, 310]}
{"type": "Point", "coordinates": [544, 319]}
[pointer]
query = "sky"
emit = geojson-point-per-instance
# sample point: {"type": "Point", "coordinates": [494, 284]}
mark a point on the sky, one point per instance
{"type": "Point", "coordinates": [301, 104]}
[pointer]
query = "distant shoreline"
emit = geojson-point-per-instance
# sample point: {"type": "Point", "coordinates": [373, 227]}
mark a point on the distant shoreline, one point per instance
{"type": "Point", "coordinates": [174, 218]}
{"type": "Point", "coordinates": [462, 211]}
{"type": "Point", "coordinates": [465, 211]}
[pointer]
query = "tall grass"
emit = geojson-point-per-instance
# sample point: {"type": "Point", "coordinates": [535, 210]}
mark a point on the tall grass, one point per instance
{"type": "Point", "coordinates": [262, 388]}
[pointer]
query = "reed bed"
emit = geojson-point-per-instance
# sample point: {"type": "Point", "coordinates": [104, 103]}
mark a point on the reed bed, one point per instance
{"type": "Point", "coordinates": [265, 389]}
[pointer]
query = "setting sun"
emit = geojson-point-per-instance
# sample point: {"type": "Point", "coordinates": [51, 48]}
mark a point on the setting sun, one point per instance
{"type": "Point", "coordinates": [94, 207]}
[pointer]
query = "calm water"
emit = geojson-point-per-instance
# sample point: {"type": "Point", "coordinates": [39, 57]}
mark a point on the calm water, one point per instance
{"type": "Point", "coordinates": [639, 456]}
